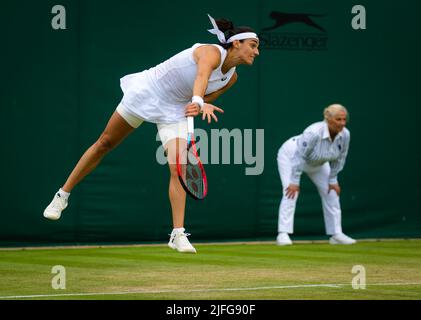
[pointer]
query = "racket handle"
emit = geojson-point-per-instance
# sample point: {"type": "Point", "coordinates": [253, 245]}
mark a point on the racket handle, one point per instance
{"type": "Point", "coordinates": [190, 124]}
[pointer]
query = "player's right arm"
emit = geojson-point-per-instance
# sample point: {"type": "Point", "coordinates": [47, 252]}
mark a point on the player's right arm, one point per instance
{"type": "Point", "coordinates": [208, 59]}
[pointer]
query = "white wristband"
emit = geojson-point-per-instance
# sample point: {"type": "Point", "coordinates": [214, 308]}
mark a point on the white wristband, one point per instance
{"type": "Point", "coordinates": [198, 100]}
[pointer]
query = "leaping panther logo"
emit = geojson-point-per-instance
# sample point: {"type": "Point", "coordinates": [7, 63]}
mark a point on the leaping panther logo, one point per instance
{"type": "Point", "coordinates": [282, 18]}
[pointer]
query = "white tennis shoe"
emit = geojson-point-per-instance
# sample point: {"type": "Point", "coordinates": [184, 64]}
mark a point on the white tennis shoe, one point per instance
{"type": "Point", "coordinates": [283, 239]}
{"type": "Point", "coordinates": [341, 238]}
{"type": "Point", "coordinates": [178, 241]}
{"type": "Point", "coordinates": [54, 209]}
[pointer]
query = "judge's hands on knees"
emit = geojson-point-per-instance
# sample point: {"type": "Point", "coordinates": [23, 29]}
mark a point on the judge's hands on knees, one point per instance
{"type": "Point", "coordinates": [193, 109]}
{"type": "Point", "coordinates": [292, 191]}
{"type": "Point", "coordinates": [335, 187]}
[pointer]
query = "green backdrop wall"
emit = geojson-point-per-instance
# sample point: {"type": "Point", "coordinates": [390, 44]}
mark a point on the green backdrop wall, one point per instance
{"type": "Point", "coordinates": [59, 87]}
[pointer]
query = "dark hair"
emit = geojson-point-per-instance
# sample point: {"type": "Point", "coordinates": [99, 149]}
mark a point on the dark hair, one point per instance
{"type": "Point", "coordinates": [227, 27]}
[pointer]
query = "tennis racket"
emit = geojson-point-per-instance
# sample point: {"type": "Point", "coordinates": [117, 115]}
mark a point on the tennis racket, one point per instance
{"type": "Point", "coordinates": [189, 167]}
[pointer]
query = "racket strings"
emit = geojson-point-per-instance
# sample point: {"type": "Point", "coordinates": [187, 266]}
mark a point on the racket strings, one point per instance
{"type": "Point", "coordinates": [191, 172]}
{"type": "Point", "coordinates": [192, 175]}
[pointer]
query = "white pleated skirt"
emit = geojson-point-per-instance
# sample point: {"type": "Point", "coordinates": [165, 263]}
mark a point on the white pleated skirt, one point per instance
{"type": "Point", "coordinates": [143, 99]}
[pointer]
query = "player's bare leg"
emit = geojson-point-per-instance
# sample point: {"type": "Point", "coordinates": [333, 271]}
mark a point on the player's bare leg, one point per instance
{"type": "Point", "coordinates": [177, 195]}
{"type": "Point", "coordinates": [176, 192]}
{"type": "Point", "coordinates": [115, 132]}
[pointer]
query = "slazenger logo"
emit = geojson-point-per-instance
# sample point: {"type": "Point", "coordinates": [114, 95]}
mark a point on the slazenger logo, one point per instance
{"type": "Point", "coordinates": [311, 41]}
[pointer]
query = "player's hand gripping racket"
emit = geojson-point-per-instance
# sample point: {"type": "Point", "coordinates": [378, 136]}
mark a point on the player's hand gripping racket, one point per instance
{"type": "Point", "coordinates": [189, 167]}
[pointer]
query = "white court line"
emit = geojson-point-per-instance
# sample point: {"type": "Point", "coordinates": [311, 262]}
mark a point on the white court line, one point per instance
{"type": "Point", "coordinates": [338, 285]}
{"type": "Point", "coordinates": [268, 242]}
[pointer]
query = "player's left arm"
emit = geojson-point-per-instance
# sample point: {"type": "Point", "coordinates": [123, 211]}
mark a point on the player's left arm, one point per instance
{"type": "Point", "coordinates": [215, 95]}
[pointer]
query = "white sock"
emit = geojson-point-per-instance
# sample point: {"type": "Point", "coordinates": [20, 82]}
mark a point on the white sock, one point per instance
{"type": "Point", "coordinates": [178, 230]}
{"type": "Point", "coordinates": [63, 194]}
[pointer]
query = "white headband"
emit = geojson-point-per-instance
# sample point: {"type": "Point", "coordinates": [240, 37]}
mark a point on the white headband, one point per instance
{"type": "Point", "coordinates": [238, 36]}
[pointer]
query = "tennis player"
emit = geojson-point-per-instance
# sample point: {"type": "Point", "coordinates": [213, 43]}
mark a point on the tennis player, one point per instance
{"type": "Point", "coordinates": [166, 94]}
{"type": "Point", "coordinates": [320, 152]}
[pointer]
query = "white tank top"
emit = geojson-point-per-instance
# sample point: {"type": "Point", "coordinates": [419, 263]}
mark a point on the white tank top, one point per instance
{"type": "Point", "coordinates": [174, 78]}
{"type": "Point", "coordinates": [160, 94]}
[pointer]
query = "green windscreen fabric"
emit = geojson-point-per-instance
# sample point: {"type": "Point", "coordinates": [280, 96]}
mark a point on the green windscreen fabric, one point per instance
{"type": "Point", "coordinates": [59, 88]}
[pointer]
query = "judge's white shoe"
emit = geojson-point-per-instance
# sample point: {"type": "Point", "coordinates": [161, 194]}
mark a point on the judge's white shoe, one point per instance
{"type": "Point", "coordinates": [341, 238]}
{"type": "Point", "coordinates": [54, 209]}
{"type": "Point", "coordinates": [178, 241]}
{"type": "Point", "coordinates": [283, 239]}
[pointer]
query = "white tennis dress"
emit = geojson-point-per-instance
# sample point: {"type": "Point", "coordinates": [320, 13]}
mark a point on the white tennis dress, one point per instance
{"type": "Point", "coordinates": [159, 94]}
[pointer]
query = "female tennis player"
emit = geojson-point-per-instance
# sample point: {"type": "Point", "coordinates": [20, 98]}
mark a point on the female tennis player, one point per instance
{"type": "Point", "coordinates": [166, 94]}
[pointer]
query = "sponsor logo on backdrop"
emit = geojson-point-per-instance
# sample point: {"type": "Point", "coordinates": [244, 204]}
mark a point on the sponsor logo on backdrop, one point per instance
{"type": "Point", "coordinates": [315, 39]}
